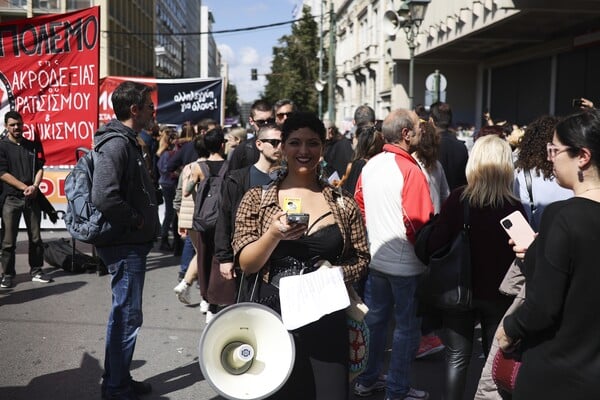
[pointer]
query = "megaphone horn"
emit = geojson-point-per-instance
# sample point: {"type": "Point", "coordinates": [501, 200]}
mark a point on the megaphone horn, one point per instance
{"type": "Point", "coordinates": [246, 353]}
{"type": "Point", "coordinates": [391, 22]}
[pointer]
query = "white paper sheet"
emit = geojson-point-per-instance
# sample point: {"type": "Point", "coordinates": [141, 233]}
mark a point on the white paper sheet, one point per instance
{"type": "Point", "coordinates": [333, 177]}
{"type": "Point", "coordinates": [306, 298]}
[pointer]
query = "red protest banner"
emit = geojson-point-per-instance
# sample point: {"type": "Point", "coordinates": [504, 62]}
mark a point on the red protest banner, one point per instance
{"type": "Point", "coordinates": [49, 74]}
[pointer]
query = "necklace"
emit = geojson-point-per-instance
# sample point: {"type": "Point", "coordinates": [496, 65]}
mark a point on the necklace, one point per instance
{"type": "Point", "coordinates": [588, 189]}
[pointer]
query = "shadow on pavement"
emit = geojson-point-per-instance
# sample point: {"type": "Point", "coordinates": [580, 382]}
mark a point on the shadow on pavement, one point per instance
{"type": "Point", "coordinates": [48, 289]}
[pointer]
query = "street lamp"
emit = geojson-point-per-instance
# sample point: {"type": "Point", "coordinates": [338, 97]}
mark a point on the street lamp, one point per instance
{"type": "Point", "coordinates": [409, 17]}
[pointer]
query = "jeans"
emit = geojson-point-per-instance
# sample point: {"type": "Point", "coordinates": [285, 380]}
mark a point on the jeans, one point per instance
{"type": "Point", "coordinates": [458, 336]}
{"type": "Point", "coordinates": [168, 195]}
{"type": "Point", "coordinates": [186, 254]}
{"type": "Point", "coordinates": [127, 265]}
{"type": "Point", "coordinates": [11, 215]}
{"type": "Point", "coordinates": [385, 294]}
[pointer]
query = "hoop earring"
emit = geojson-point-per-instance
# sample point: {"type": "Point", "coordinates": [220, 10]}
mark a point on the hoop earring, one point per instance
{"type": "Point", "coordinates": [580, 175]}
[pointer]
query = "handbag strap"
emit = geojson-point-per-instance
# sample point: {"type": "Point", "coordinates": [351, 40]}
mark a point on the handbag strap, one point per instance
{"type": "Point", "coordinates": [466, 224]}
{"type": "Point", "coordinates": [527, 174]}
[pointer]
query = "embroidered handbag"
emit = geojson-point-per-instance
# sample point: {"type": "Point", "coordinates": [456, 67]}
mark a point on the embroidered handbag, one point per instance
{"type": "Point", "coordinates": [505, 369]}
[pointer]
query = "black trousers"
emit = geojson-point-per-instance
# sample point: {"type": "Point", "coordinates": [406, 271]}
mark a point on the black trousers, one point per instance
{"type": "Point", "coordinates": [458, 335]}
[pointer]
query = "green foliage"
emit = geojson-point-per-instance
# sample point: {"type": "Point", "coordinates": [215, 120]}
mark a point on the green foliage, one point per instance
{"type": "Point", "coordinates": [231, 101]}
{"type": "Point", "coordinates": [295, 66]}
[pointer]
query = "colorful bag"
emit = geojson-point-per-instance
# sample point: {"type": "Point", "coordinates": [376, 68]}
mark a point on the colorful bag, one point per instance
{"type": "Point", "coordinates": [358, 333]}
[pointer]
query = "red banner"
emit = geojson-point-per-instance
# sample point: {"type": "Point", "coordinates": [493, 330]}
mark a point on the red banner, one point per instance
{"type": "Point", "coordinates": [49, 69]}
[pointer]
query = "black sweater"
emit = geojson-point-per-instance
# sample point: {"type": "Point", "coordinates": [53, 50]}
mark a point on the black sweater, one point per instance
{"type": "Point", "coordinates": [558, 322]}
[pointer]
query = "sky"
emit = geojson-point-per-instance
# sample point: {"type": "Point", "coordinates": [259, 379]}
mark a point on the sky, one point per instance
{"type": "Point", "coordinates": [250, 49]}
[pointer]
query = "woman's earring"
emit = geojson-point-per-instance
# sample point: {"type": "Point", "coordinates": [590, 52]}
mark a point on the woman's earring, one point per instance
{"type": "Point", "coordinates": [321, 170]}
{"type": "Point", "coordinates": [580, 175]}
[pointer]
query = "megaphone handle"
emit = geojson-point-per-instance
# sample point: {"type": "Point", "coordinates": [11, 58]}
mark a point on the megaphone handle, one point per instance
{"type": "Point", "coordinates": [253, 287]}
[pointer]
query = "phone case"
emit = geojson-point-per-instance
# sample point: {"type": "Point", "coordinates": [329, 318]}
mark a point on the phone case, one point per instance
{"type": "Point", "coordinates": [518, 229]}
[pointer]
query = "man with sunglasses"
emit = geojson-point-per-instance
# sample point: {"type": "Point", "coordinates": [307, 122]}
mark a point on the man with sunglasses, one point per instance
{"type": "Point", "coordinates": [283, 108]}
{"type": "Point", "coordinates": [246, 153]}
{"type": "Point", "coordinates": [237, 183]}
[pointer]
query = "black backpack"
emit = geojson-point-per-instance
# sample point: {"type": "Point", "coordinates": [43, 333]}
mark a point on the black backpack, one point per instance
{"type": "Point", "coordinates": [207, 203]}
{"type": "Point", "coordinates": [83, 220]}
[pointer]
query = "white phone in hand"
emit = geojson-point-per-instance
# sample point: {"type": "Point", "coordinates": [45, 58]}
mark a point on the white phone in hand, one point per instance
{"type": "Point", "coordinates": [518, 229]}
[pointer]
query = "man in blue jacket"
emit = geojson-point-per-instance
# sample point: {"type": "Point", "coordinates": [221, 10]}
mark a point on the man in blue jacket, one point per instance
{"type": "Point", "coordinates": [123, 191]}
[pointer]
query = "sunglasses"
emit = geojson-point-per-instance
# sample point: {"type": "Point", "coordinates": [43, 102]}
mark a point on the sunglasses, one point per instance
{"type": "Point", "coordinates": [284, 114]}
{"type": "Point", "coordinates": [261, 122]}
{"type": "Point", "coordinates": [272, 142]}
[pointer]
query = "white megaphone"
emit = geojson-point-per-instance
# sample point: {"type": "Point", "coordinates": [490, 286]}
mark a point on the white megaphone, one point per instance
{"type": "Point", "coordinates": [246, 352]}
{"type": "Point", "coordinates": [392, 22]}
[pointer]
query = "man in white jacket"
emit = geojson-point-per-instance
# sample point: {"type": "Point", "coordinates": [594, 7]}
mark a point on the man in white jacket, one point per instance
{"type": "Point", "coordinates": [394, 196]}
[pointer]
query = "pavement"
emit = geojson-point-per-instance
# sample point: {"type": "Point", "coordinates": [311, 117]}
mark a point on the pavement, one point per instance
{"type": "Point", "coordinates": [52, 336]}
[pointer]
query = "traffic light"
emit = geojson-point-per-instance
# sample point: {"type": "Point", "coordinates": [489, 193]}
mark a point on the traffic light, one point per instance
{"type": "Point", "coordinates": [253, 74]}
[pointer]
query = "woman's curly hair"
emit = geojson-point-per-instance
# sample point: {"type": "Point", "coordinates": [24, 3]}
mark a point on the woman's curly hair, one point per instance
{"type": "Point", "coordinates": [532, 148]}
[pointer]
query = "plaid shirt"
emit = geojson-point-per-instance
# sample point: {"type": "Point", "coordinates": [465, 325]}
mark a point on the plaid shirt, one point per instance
{"type": "Point", "coordinates": [256, 211]}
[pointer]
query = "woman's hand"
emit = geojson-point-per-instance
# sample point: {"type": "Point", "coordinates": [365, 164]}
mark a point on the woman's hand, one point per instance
{"type": "Point", "coordinates": [505, 342]}
{"type": "Point", "coordinates": [586, 103]}
{"type": "Point", "coordinates": [281, 230]}
{"type": "Point", "coordinates": [227, 270]}
{"type": "Point", "coordinates": [519, 251]}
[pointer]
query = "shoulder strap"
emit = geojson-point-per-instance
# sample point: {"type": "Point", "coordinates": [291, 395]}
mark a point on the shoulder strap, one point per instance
{"type": "Point", "coordinates": [110, 135]}
{"type": "Point", "coordinates": [466, 224]}
{"type": "Point", "coordinates": [204, 169]}
{"type": "Point", "coordinates": [224, 168]}
{"type": "Point", "coordinates": [328, 213]}
{"type": "Point", "coordinates": [527, 174]}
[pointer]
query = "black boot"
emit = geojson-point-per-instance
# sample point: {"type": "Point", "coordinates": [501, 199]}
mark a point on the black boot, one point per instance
{"type": "Point", "coordinates": [164, 245]}
{"type": "Point", "coordinates": [177, 247]}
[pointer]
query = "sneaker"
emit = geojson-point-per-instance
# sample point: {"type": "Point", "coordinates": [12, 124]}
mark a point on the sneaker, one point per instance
{"type": "Point", "coordinates": [7, 282]}
{"type": "Point", "coordinates": [141, 388]}
{"type": "Point", "coordinates": [364, 391]}
{"type": "Point", "coordinates": [40, 277]}
{"type": "Point", "coordinates": [209, 316]}
{"type": "Point", "coordinates": [180, 276]}
{"type": "Point", "coordinates": [430, 344]}
{"type": "Point", "coordinates": [204, 306]}
{"type": "Point", "coordinates": [182, 290]}
{"type": "Point", "coordinates": [413, 394]}
{"type": "Point", "coordinates": [138, 388]}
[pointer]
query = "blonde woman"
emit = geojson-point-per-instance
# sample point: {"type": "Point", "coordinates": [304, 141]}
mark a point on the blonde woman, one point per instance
{"type": "Point", "coordinates": [489, 194]}
{"type": "Point", "coordinates": [233, 138]}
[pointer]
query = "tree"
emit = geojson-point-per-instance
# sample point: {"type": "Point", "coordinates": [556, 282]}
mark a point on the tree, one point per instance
{"type": "Point", "coordinates": [231, 101]}
{"type": "Point", "coordinates": [295, 66]}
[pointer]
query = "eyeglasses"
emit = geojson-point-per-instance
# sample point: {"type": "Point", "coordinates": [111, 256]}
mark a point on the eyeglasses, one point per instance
{"type": "Point", "coordinates": [554, 150]}
{"type": "Point", "coordinates": [284, 114]}
{"type": "Point", "coordinates": [272, 142]}
{"type": "Point", "coordinates": [261, 122]}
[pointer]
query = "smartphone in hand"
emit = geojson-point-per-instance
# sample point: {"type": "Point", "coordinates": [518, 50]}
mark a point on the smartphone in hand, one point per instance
{"type": "Point", "coordinates": [518, 229]}
{"type": "Point", "coordinates": [297, 218]}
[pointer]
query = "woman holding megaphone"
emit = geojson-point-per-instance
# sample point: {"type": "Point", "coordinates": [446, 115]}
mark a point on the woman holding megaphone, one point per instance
{"type": "Point", "coordinates": [284, 229]}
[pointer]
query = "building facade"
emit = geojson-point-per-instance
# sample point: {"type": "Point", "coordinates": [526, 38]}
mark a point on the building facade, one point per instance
{"type": "Point", "coordinates": [519, 59]}
{"type": "Point", "coordinates": [160, 38]}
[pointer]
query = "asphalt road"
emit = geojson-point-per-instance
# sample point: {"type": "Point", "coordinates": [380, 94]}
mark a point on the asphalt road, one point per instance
{"type": "Point", "coordinates": [52, 337]}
